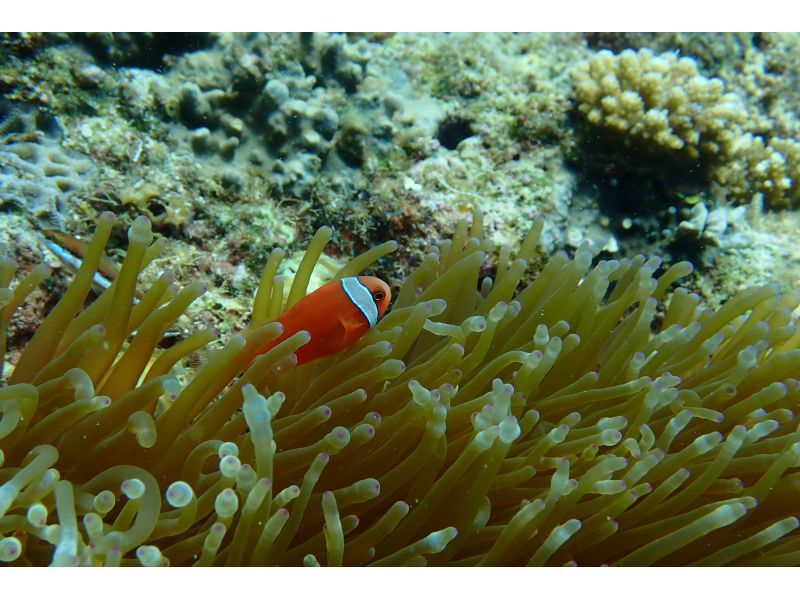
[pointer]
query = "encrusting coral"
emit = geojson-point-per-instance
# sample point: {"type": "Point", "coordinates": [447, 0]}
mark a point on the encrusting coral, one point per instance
{"type": "Point", "coordinates": [572, 422]}
{"type": "Point", "coordinates": [36, 172]}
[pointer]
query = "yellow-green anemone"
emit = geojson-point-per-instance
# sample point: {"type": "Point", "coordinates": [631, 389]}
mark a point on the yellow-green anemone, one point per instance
{"type": "Point", "coordinates": [569, 422]}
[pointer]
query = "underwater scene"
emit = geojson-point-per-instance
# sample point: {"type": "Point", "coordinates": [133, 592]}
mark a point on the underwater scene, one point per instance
{"type": "Point", "coordinates": [399, 299]}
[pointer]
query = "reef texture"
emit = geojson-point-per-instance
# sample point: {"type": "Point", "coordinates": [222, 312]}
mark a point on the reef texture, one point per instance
{"type": "Point", "coordinates": [659, 101]}
{"type": "Point", "coordinates": [662, 105]}
{"type": "Point", "coordinates": [564, 407]}
{"type": "Point", "coordinates": [232, 144]}
{"type": "Point", "coordinates": [584, 420]}
{"type": "Point", "coordinates": [36, 172]}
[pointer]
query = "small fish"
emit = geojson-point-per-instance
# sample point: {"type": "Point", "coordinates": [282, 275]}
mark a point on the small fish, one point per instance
{"type": "Point", "coordinates": [336, 314]}
{"type": "Point", "coordinates": [71, 251]}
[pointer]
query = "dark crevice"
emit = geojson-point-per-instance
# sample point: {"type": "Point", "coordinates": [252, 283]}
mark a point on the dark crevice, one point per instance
{"type": "Point", "coordinates": [453, 130]}
{"type": "Point", "coordinates": [142, 50]}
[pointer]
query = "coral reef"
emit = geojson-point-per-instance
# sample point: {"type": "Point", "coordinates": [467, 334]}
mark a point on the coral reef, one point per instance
{"type": "Point", "coordinates": [288, 118]}
{"type": "Point", "coordinates": [518, 404]}
{"type": "Point", "coordinates": [760, 67]}
{"type": "Point", "coordinates": [143, 49]}
{"type": "Point", "coordinates": [36, 172]}
{"type": "Point", "coordinates": [659, 102]}
{"type": "Point", "coordinates": [399, 135]}
{"type": "Point", "coordinates": [661, 106]}
{"type": "Point", "coordinates": [595, 416]}
{"type": "Point", "coordinates": [770, 169]}
{"type": "Point", "coordinates": [510, 94]}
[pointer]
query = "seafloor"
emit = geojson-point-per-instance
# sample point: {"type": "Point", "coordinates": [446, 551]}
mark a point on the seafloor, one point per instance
{"type": "Point", "coordinates": [235, 144]}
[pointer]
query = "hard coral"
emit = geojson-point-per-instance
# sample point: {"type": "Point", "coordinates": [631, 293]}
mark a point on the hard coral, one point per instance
{"type": "Point", "coordinates": [771, 169]}
{"type": "Point", "coordinates": [286, 122]}
{"type": "Point", "coordinates": [36, 171]}
{"type": "Point", "coordinates": [473, 425]}
{"type": "Point", "coordinates": [661, 105]}
{"type": "Point", "coordinates": [662, 100]}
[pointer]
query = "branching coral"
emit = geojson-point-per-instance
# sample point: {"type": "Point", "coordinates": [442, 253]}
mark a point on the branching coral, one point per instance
{"type": "Point", "coordinates": [662, 105]}
{"type": "Point", "coordinates": [661, 100]}
{"type": "Point", "coordinates": [475, 425]}
{"type": "Point", "coordinates": [771, 169]}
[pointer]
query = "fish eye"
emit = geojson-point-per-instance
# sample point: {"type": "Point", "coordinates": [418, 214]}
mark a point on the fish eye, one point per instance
{"type": "Point", "coordinates": [378, 295]}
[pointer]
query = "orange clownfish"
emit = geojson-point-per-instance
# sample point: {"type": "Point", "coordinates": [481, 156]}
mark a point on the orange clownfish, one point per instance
{"type": "Point", "coordinates": [336, 315]}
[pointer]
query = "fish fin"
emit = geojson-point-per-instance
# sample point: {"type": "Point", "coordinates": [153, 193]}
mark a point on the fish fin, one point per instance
{"type": "Point", "coordinates": [349, 326]}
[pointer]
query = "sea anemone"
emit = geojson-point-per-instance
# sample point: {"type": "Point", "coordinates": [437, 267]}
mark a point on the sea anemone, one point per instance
{"type": "Point", "coordinates": [592, 416]}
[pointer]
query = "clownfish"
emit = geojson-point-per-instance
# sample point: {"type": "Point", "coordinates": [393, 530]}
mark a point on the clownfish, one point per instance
{"type": "Point", "coordinates": [336, 315]}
